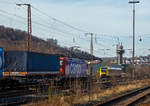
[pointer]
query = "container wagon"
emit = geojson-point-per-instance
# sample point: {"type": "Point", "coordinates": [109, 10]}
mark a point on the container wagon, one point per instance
{"type": "Point", "coordinates": [34, 66]}
{"type": "Point", "coordinates": [115, 71]}
{"type": "Point", "coordinates": [96, 68]}
{"type": "Point", "coordinates": [1, 63]}
{"type": "Point", "coordinates": [1, 68]}
{"type": "Point", "coordinates": [31, 64]}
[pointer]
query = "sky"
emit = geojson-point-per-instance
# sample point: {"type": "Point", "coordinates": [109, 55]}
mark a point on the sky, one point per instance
{"type": "Point", "coordinates": [109, 20]}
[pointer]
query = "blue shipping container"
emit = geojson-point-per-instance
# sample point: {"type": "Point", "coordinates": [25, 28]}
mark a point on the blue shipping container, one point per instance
{"type": "Point", "coordinates": [31, 63]}
{"type": "Point", "coordinates": [43, 63]}
{"type": "Point", "coordinates": [1, 62]}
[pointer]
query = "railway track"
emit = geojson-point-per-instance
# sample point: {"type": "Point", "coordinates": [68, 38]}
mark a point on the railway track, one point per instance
{"type": "Point", "coordinates": [130, 98]}
{"type": "Point", "coordinates": [23, 99]}
{"type": "Point", "coordinates": [15, 97]}
{"type": "Point", "coordinates": [28, 95]}
{"type": "Point", "coordinates": [20, 95]}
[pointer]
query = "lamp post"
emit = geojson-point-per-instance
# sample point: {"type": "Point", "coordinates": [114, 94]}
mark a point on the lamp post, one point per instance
{"type": "Point", "coordinates": [133, 53]}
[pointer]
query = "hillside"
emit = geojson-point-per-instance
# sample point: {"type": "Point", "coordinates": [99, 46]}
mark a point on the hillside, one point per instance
{"type": "Point", "coordinates": [14, 39]}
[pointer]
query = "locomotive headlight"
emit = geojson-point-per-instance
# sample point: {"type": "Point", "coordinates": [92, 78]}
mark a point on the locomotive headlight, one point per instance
{"type": "Point", "coordinates": [61, 70]}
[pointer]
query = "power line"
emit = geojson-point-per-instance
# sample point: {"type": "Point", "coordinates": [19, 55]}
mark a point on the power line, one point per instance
{"type": "Point", "coordinates": [70, 26]}
{"type": "Point", "coordinates": [39, 24]}
{"type": "Point", "coordinates": [105, 35]}
{"type": "Point", "coordinates": [53, 18]}
{"type": "Point", "coordinates": [51, 26]}
{"type": "Point", "coordinates": [80, 30]}
{"type": "Point", "coordinates": [6, 2]}
{"type": "Point", "coordinates": [43, 25]}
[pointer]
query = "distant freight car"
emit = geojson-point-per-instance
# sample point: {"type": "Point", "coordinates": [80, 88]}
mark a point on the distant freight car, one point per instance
{"type": "Point", "coordinates": [115, 70]}
{"type": "Point", "coordinates": [21, 63]}
{"type": "Point", "coordinates": [96, 68]}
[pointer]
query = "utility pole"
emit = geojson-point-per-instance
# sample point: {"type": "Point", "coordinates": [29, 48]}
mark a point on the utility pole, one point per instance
{"type": "Point", "coordinates": [29, 29]}
{"type": "Point", "coordinates": [91, 64]}
{"type": "Point", "coordinates": [133, 53]}
{"type": "Point", "coordinates": [91, 51]}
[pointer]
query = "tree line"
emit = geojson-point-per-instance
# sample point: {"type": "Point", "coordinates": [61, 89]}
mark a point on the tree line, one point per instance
{"type": "Point", "coordinates": [15, 39]}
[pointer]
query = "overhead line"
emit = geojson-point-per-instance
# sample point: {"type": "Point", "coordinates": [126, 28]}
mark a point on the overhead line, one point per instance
{"type": "Point", "coordinates": [46, 26]}
{"type": "Point", "coordinates": [75, 28]}
{"type": "Point", "coordinates": [6, 2]}
{"type": "Point", "coordinates": [80, 30]}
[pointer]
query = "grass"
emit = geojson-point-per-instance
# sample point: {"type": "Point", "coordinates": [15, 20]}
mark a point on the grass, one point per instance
{"type": "Point", "coordinates": [96, 95]}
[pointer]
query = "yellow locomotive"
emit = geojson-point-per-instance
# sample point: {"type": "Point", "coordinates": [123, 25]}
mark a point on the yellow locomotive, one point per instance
{"type": "Point", "coordinates": [107, 71]}
{"type": "Point", "coordinates": [104, 72]}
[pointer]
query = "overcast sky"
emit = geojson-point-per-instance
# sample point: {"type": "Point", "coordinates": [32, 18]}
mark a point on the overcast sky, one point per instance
{"type": "Point", "coordinates": [109, 19]}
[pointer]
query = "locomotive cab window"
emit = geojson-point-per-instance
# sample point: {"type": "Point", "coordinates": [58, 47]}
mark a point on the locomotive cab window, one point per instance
{"type": "Point", "coordinates": [103, 70]}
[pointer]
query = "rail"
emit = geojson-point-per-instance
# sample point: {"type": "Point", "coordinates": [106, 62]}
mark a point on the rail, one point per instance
{"type": "Point", "coordinates": [127, 98]}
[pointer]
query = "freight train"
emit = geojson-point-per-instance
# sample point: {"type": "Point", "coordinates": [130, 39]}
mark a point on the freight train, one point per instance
{"type": "Point", "coordinates": [33, 66]}
{"type": "Point", "coordinates": [23, 66]}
